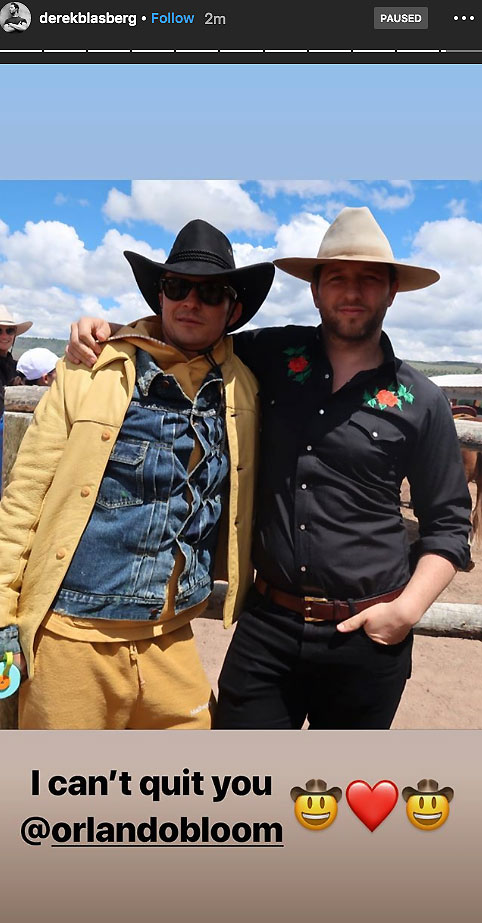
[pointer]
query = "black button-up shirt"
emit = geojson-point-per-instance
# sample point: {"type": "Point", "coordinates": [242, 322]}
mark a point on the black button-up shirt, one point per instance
{"type": "Point", "coordinates": [328, 507]}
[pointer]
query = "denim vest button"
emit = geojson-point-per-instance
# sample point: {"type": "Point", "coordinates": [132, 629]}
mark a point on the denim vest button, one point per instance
{"type": "Point", "coordinates": [60, 554]}
{"type": "Point", "coordinates": [105, 435]}
{"type": "Point", "coordinates": [85, 492]}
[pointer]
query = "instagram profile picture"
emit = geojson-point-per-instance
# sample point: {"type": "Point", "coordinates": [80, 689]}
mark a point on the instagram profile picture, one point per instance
{"type": "Point", "coordinates": [15, 17]}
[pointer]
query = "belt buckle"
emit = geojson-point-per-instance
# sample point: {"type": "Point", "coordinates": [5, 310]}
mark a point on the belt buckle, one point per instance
{"type": "Point", "coordinates": [307, 607]}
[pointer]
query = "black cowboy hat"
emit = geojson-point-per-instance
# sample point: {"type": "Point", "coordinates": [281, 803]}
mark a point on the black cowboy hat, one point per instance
{"type": "Point", "coordinates": [427, 787]}
{"type": "Point", "coordinates": [201, 250]}
{"type": "Point", "coordinates": [316, 787]}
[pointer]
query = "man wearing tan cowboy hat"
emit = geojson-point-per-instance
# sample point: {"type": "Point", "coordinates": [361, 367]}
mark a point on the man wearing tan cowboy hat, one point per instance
{"type": "Point", "coordinates": [110, 525]}
{"type": "Point", "coordinates": [326, 632]}
{"type": "Point", "coordinates": [9, 329]}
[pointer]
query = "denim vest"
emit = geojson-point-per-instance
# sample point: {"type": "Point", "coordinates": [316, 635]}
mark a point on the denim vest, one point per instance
{"type": "Point", "coordinates": [149, 507]}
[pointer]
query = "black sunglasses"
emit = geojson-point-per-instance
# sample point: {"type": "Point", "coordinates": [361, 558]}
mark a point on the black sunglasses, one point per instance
{"type": "Point", "coordinates": [211, 293]}
{"type": "Point", "coordinates": [8, 330]}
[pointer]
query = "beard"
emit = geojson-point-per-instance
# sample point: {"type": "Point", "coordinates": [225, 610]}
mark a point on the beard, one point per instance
{"type": "Point", "coordinates": [354, 329]}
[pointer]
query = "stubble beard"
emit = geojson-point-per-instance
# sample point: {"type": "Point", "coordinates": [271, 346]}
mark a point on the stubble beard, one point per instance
{"type": "Point", "coordinates": [353, 330]}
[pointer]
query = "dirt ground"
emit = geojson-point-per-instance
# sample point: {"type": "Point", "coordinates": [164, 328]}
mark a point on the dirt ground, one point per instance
{"type": "Point", "coordinates": [445, 689]}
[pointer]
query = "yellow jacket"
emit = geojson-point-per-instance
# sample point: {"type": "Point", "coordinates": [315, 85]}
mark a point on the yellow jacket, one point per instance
{"type": "Point", "coordinates": [59, 467]}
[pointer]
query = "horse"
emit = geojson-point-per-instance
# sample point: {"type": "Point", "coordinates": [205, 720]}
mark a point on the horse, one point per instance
{"type": "Point", "coordinates": [472, 462]}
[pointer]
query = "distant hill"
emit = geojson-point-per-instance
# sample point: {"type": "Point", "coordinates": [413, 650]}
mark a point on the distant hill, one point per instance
{"type": "Point", "coordinates": [23, 343]}
{"type": "Point", "coordinates": [457, 367]}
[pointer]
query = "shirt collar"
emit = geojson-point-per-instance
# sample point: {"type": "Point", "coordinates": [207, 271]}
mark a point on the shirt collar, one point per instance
{"type": "Point", "coordinates": [389, 359]}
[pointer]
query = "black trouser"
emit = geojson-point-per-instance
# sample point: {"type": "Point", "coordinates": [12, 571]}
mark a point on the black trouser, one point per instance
{"type": "Point", "coordinates": [280, 670]}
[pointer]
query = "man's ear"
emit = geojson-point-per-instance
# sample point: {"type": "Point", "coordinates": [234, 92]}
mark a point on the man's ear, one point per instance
{"type": "Point", "coordinates": [160, 302]}
{"type": "Point", "coordinates": [393, 290]}
{"type": "Point", "coordinates": [314, 292]}
{"type": "Point", "coordinates": [235, 314]}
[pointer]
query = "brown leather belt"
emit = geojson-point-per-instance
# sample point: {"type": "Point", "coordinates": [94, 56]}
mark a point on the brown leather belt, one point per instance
{"type": "Point", "coordinates": [319, 609]}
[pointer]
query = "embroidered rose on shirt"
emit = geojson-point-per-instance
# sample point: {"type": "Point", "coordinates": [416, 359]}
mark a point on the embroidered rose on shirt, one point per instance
{"type": "Point", "coordinates": [386, 398]}
{"type": "Point", "coordinates": [299, 366]}
{"type": "Point", "coordinates": [389, 397]}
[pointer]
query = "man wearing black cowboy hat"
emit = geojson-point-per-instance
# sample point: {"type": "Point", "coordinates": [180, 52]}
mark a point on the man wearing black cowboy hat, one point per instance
{"type": "Point", "coordinates": [109, 552]}
{"type": "Point", "coordinates": [326, 633]}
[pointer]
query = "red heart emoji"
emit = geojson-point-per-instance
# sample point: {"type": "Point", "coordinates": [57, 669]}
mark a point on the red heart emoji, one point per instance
{"type": "Point", "coordinates": [372, 805]}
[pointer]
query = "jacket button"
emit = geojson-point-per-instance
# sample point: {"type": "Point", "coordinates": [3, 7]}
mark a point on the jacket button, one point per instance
{"type": "Point", "coordinates": [60, 554]}
{"type": "Point", "coordinates": [85, 492]}
{"type": "Point", "coordinates": [105, 435]}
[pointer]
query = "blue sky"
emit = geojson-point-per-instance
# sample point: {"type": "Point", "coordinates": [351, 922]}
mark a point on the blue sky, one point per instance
{"type": "Point", "coordinates": [61, 246]}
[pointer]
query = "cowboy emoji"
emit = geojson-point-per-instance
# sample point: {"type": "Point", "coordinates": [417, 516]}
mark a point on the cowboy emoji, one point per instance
{"type": "Point", "coordinates": [427, 805]}
{"type": "Point", "coordinates": [316, 806]}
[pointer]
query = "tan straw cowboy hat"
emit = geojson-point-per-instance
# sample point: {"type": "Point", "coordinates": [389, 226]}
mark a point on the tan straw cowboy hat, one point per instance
{"type": "Point", "coordinates": [6, 320]}
{"type": "Point", "coordinates": [355, 235]}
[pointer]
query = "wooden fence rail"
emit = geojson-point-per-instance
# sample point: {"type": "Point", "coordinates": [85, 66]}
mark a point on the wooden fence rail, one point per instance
{"type": "Point", "coordinates": [469, 434]}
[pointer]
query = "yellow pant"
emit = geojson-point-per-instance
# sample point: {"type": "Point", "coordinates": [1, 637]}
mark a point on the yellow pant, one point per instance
{"type": "Point", "coordinates": [151, 684]}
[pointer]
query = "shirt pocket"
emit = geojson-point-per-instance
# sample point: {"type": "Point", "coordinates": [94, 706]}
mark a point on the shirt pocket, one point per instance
{"type": "Point", "coordinates": [377, 445]}
{"type": "Point", "coordinates": [123, 480]}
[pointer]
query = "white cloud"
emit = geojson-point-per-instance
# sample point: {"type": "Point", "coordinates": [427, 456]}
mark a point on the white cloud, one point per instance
{"type": "Point", "coordinates": [51, 253]}
{"type": "Point", "coordinates": [244, 254]}
{"type": "Point", "coordinates": [385, 200]}
{"type": "Point", "coordinates": [456, 242]}
{"type": "Point", "coordinates": [309, 189]}
{"type": "Point", "coordinates": [301, 236]}
{"type": "Point", "coordinates": [47, 275]}
{"type": "Point", "coordinates": [172, 203]}
{"type": "Point", "coordinates": [444, 320]}
{"type": "Point", "coordinates": [457, 207]}
{"type": "Point", "coordinates": [378, 196]}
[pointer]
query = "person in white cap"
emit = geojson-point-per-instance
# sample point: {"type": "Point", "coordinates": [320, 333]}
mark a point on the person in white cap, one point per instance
{"type": "Point", "coordinates": [38, 366]}
{"type": "Point", "coordinates": [326, 631]}
{"type": "Point", "coordinates": [9, 329]}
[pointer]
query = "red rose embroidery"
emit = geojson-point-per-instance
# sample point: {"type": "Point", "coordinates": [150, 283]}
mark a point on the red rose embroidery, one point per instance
{"type": "Point", "coordinates": [298, 365]}
{"type": "Point", "coordinates": [387, 397]}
